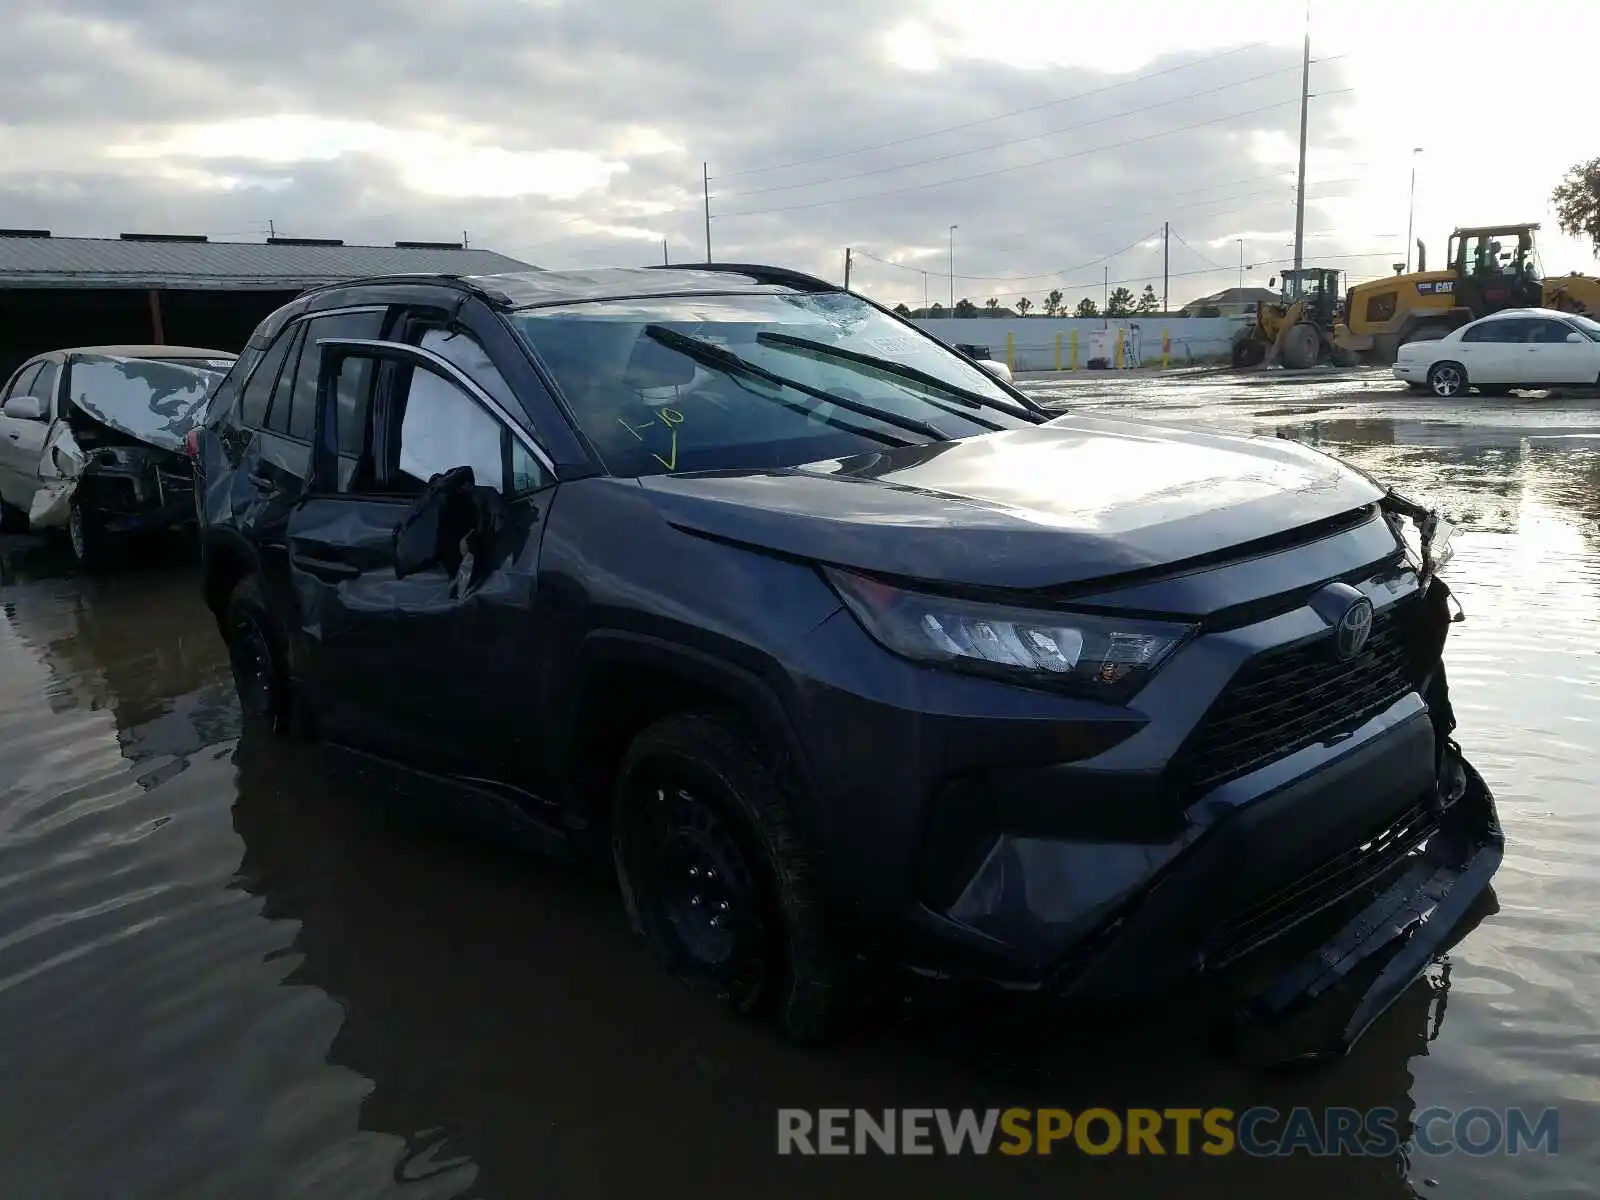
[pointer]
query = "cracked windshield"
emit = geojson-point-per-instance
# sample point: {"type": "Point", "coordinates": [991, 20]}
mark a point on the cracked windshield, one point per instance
{"type": "Point", "coordinates": [827, 601]}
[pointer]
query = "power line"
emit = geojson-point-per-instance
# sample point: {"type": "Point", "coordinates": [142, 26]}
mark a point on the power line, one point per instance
{"type": "Point", "coordinates": [1197, 253]}
{"type": "Point", "coordinates": [1014, 278]}
{"type": "Point", "coordinates": [1017, 112]}
{"type": "Point", "coordinates": [1040, 162]}
{"type": "Point", "coordinates": [1032, 137]}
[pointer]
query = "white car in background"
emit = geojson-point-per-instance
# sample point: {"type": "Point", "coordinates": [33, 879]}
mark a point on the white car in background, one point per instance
{"type": "Point", "coordinates": [1515, 348]}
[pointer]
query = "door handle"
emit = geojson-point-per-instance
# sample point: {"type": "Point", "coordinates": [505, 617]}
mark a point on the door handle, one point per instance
{"type": "Point", "coordinates": [325, 567]}
{"type": "Point", "coordinates": [15, 436]}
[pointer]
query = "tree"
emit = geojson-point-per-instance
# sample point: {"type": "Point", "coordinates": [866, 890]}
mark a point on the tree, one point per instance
{"type": "Point", "coordinates": [966, 308]}
{"type": "Point", "coordinates": [1577, 201]}
{"type": "Point", "coordinates": [1120, 303]}
{"type": "Point", "coordinates": [1052, 303]}
{"type": "Point", "coordinates": [902, 310]}
{"type": "Point", "coordinates": [1088, 308]}
{"type": "Point", "coordinates": [1023, 306]}
{"type": "Point", "coordinates": [1147, 300]}
{"type": "Point", "coordinates": [937, 310]}
{"type": "Point", "coordinates": [992, 304]}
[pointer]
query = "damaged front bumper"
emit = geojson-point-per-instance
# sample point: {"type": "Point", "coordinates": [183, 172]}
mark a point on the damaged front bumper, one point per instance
{"type": "Point", "coordinates": [127, 489]}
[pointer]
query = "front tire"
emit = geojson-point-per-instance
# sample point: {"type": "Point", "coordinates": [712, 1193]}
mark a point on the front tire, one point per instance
{"type": "Point", "coordinates": [1447, 380]}
{"type": "Point", "coordinates": [256, 654]}
{"type": "Point", "coordinates": [716, 882]}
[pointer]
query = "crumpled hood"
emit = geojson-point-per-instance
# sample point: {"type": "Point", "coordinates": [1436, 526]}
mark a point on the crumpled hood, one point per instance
{"type": "Point", "coordinates": [1076, 499]}
{"type": "Point", "coordinates": [154, 401]}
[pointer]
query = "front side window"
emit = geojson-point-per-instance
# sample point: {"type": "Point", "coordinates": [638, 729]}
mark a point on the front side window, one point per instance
{"type": "Point", "coordinates": [753, 381]}
{"type": "Point", "coordinates": [1587, 326]}
{"type": "Point", "coordinates": [24, 381]}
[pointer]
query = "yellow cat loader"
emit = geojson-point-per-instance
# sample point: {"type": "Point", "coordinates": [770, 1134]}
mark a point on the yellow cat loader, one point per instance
{"type": "Point", "coordinates": [1297, 328]}
{"type": "Point", "coordinates": [1491, 267]}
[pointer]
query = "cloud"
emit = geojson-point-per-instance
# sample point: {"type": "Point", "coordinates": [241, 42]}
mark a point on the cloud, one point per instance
{"type": "Point", "coordinates": [570, 134]}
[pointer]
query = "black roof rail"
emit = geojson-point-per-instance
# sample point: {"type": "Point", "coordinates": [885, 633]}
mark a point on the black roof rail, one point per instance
{"type": "Point", "coordinates": [762, 274]}
{"type": "Point", "coordinates": [460, 283]}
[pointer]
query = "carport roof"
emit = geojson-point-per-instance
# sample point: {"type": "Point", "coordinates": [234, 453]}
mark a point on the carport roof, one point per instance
{"type": "Point", "coordinates": [31, 261]}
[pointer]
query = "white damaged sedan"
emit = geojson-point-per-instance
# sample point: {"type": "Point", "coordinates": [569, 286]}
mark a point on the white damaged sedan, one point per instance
{"type": "Point", "coordinates": [1515, 348]}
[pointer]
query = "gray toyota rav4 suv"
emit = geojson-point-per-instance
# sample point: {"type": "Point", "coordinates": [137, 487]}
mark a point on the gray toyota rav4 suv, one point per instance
{"type": "Point", "coordinates": [844, 654]}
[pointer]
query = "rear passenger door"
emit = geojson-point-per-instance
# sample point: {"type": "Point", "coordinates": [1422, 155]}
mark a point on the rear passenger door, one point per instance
{"type": "Point", "coordinates": [429, 668]}
{"type": "Point", "coordinates": [1490, 350]}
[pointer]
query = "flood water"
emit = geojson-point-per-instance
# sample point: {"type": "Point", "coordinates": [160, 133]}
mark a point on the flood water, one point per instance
{"type": "Point", "coordinates": [225, 973]}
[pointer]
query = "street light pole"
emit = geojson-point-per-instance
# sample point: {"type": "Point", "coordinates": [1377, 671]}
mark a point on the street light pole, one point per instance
{"type": "Point", "coordinates": [953, 229]}
{"type": "Point", "coordinates": [1241, 262]}
{"type": "Point", "coordinates": [1411, 207]}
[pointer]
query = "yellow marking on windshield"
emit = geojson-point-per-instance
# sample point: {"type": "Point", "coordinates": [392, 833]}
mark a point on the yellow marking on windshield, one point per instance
{"type": "Point", "coordinates": [670, 418]}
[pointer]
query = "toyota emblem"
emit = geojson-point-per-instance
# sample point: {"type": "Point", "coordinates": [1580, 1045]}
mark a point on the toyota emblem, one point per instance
{"type": "Point", "coordinates": [1354, 629]}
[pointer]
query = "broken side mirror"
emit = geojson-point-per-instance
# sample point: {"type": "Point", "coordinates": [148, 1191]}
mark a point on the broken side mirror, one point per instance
{"type": "Point", "coordinates": [419, 537]}
{"type": "Point", "coordinates": [24, 408]}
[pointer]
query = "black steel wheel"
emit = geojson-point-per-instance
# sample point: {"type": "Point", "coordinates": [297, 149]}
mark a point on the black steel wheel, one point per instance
{"type": "Point", "coordinates": [255, 653]}
{"type": "Point", "coordinates": [716, 882]}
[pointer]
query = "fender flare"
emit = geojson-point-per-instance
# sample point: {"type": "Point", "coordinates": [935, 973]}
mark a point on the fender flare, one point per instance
{"type": "Point", "coordinates": [755, 694]}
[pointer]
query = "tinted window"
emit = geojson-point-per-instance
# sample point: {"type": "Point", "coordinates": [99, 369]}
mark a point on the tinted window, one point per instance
{"type": "Point", "coordinates": [258, 392]}
{"type": "Point", "coordinates": [355, 378]}
{"type": "Point", "coordinates": [24, 381]}
{"type": "Point", "coordinates": [1494, 331]}
{"type": "Point", "coordinates": [44, 384]}
{"type": "Point", "coordinates": [1550, 331]}
{"type": "Point", "coordinates": [283, 392]}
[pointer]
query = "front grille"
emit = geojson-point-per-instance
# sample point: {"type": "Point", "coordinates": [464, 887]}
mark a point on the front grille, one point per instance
{"type": "Point", "coordinates": [1338, 877]}
{"type": "Point", "coordinates": [1285, 700]}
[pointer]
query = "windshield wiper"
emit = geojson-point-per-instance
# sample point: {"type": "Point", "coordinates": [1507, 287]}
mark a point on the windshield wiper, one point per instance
{"type": "Point", "coordinates": [897, 369]}
{"type": "Point", "coordinates": [712, 355]}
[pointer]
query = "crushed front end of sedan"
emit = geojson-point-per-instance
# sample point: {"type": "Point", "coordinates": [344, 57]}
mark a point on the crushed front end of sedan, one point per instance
{"type": "Point", "coordinates": [115, 461]}
{"type": "Point", "coordinates": [849, 658]}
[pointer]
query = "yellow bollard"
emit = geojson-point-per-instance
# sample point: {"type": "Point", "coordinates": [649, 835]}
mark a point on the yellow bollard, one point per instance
{"type": "Point", "coordinates": [1166, 347]}
{"type": "Point", "coordinates": [1058, 352]}
{"type": "Point", "coordinates": [1074, 349]}
{"type": "Point", "coordinates": [1011, 351]}
{"type": "Point", "coordinates": [1119, 347]}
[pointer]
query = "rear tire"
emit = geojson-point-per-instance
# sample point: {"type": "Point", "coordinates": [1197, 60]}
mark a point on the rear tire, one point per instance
{"type": "Point", "coordinates": [88, 538]}
{"type": "Point", "coordinates": [716, 882]}
{"type": "Point", "coordinates": [256, 652]}
{"type": "Point", "coordinates": [1447, 380]}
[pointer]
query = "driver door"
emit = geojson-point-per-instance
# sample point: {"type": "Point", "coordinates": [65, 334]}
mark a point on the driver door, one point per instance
{"type": "Point", "coordinates": [22, 437]}
{"type": "Point", "coordinates": [421, 661]}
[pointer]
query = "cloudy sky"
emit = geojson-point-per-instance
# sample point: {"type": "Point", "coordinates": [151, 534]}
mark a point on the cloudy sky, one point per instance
{"type": "Point", "coordinates": [1057, 136]}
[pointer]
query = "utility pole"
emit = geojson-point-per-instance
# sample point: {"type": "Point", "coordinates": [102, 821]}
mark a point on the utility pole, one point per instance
{"type": "Point", "coordinates": [705, 186]}
{"type": "Point", "coordinates": [847, 268]}
{"type": "Point", "coordinates": [1241, 262]}
{"type": "Point", "coordinates": [664, 261]}
{"type": "Point", "coordinates": [953, 229]}
{"type": "Point", "coordinates": [1105, 289]}
{"type": "Point", "coordinates": [1411, 207]}
{"type": "Point", "coordinates": [924, 293]}
{"type": "Point", "coordinates": [464, 244]}
{"type": "Point", "coordinates": [1300, 191]}
{"type": "Point", "coordinates": [1166, 276]}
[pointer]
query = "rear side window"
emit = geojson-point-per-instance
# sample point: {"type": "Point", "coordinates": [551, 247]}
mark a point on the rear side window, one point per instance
{"type": "Point", "coordinates": [278, 415]}
{"type": "Point", "coordinates": [258, 391]}
{"type": "Point", "coordinates": [354, 386]}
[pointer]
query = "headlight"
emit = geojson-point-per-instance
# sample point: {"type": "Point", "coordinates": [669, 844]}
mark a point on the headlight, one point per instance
{"type": "Point", "coordinates": [1107, 658]}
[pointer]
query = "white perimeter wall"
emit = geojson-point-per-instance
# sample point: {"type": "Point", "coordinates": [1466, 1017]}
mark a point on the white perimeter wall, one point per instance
{"type": "Point", "coordinates": [1034, 338]}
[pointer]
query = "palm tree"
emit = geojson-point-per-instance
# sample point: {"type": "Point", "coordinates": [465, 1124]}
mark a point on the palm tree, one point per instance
{"type": "Point", "coordinates": [992, 303]}
{"type": "Point", "coordinates": [1023, 306]}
